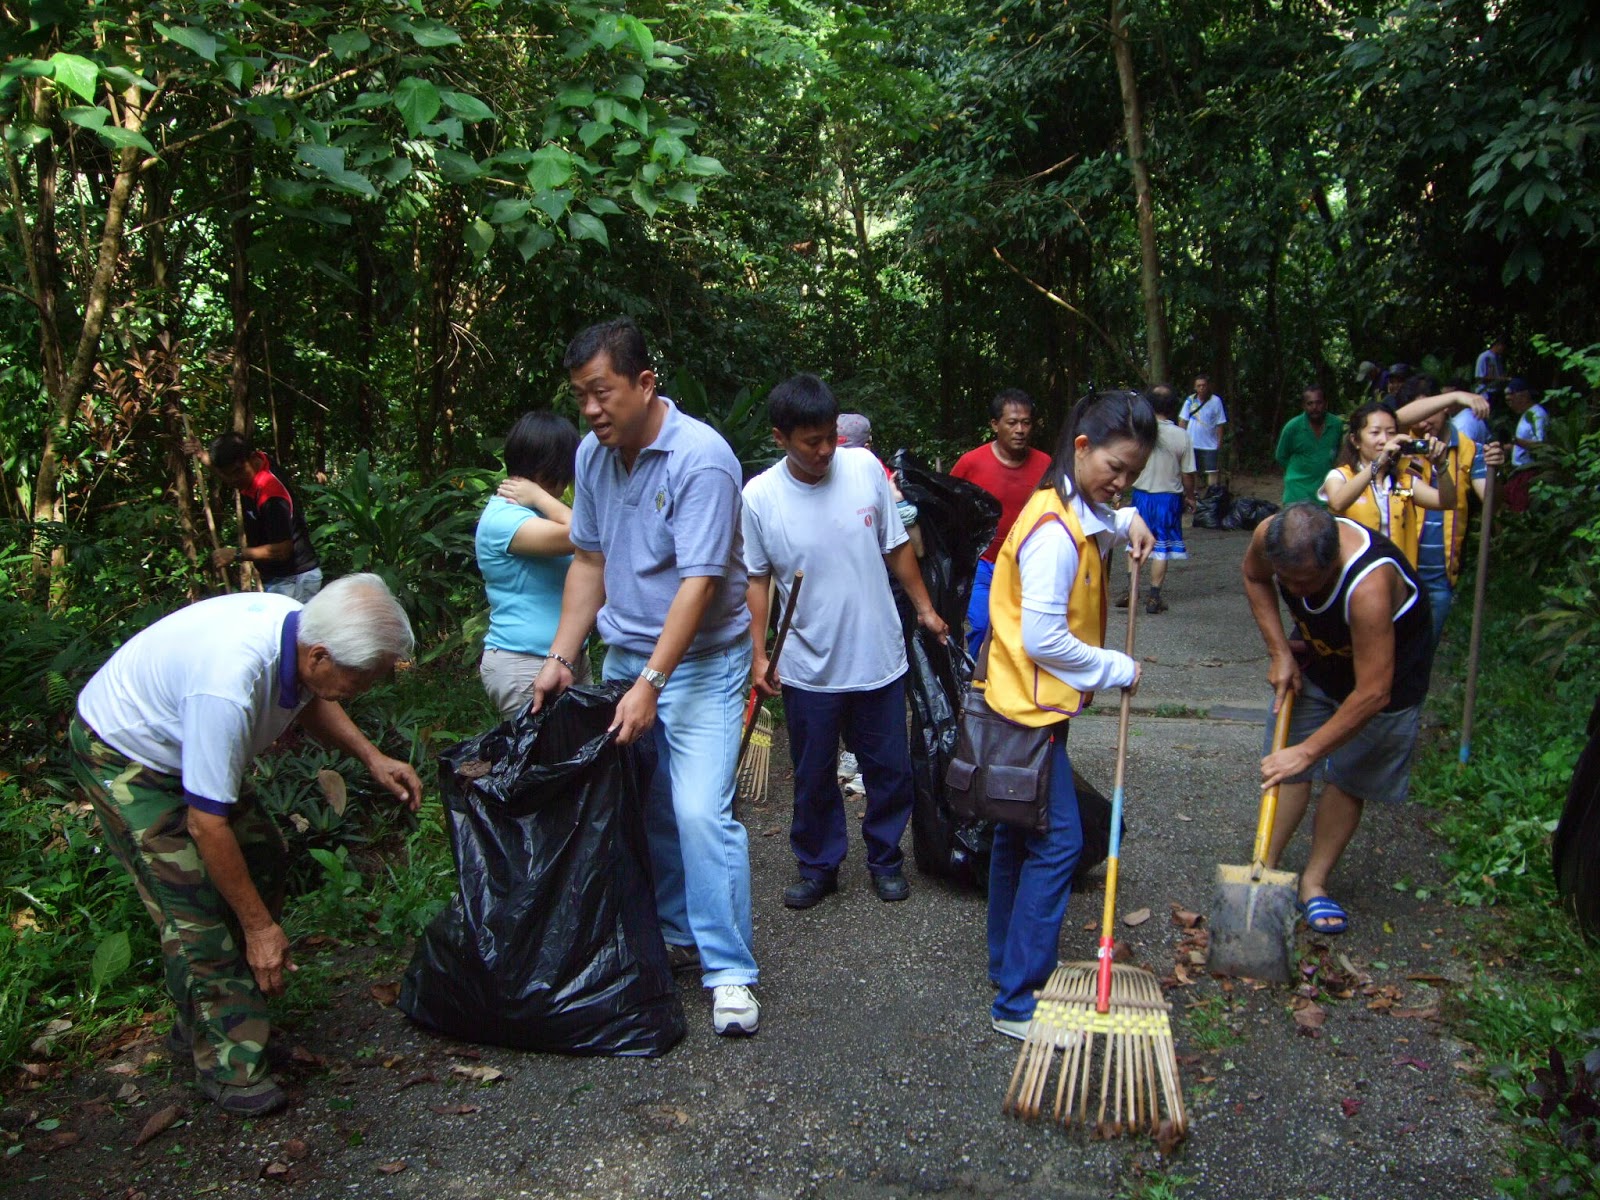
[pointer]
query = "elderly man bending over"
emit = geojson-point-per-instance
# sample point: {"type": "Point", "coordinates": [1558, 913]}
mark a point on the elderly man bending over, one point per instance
{"type": "Point", "coordinates": [164, 734]}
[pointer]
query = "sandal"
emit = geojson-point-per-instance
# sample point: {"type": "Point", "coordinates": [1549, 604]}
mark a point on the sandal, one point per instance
{"type": "Point", "coordinates": [1320, 909]}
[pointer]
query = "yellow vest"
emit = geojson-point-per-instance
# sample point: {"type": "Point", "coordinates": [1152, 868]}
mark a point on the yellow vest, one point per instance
{"type": "Point", "coordinates": [1455, 519]}
{"type": "Point", "coordinates": [1016, 688]}
{"type": "Point", "coordinates": [1405, 518]}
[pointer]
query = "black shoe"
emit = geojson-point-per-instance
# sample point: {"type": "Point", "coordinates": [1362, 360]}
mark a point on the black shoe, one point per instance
{"type": "Point", "coordinates": [807, 892]}
{"type": "Point", "coordinates": [891, 887]}
{"type": "Point", "coordinates": [683, 958]}
{"type": "Point", "coordinates": [258, 1099]}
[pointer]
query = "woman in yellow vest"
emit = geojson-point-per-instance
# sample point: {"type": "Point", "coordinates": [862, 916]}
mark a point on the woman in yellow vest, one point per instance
{"type": "Point", "coordinates": [1377, 486]}
{"type": "Point", "coordinates": [1046, 659]}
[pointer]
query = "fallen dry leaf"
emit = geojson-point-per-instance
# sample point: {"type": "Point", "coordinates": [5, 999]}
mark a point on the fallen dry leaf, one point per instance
{"type": "Point", "coordinates": [1183, 918]}
{"type": "Point", "coordinates": [1350, 1105]}
{"type": "Point", "coordinates": [158, 1124]}
{"type": "Point", "coordinates": [334, 790]}
{"type": "Point", "coordinates": [479, 1074]}
{"type": "Point", "coordinates": [1188, 1060]}
{"type": "Point", "coordinates": [23, 921]}
{"type": "Point", "coordinates": [295, 1149]}
{"type": "Point", "coordinates": [1415, 1063]}
{"type": "Point", "coordinates": [129, 1092]}
{"type": "Point", "coordinates": [424, 1077]}
{"type": "Point", "coordinates": [1431, 1013]}
{"type": "Point", "coordinates": [393, 1061]}
{"type": "Point", "coordinates": [1426, 978]}
{"type": "Point", "coordinates": [454, 1110]}
{"type": "Point", "coordinates": [1183, 816]}
{"type": "Point", "coordinates": [301, 824]}
{"type": "Point", "coordinates": [667, 1114]}
{"type": "Point", "coordinates": [281, 1172]}
{"type": "Point", "coordinates": [385, 993]}
{"type": "Point", "coordinates": [301, 1055]}
{"type": "Point", "coordinates": [1137, 917]}
{"type": "Point", "coordinates": [1310, 1017]}
{"type": "Point", "coordinates": [122, 1069]}
{"type": "Point", "coordinates": [476, 769]}
{"type": "Point", "coordinates": [1169, 1136]}
{"type": "Point", "coordinates": [392, 1168]}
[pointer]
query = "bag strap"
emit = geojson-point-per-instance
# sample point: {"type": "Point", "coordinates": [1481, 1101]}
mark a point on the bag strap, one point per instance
{"type": "Point", "coordinates": [980, 667]}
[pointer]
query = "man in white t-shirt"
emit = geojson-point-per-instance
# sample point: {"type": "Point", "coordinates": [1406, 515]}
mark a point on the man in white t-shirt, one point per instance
{"type": "Point", "coordinates": [1203, 417]}
{"type": "Point", "coordinates": [1533, 422]}
{"type": "Point", "coordinates": [164, 734]}
{"type": "Point", "coordinates": [830, 513]}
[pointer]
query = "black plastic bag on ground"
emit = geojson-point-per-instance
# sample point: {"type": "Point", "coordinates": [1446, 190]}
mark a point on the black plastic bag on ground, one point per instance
{"type": "Point", "coordinates": [1213, 507]}
{"type": "Point", "coordinates": [552, 941]}
{"type": "Point", "coordinates": [957, 520]}
{"type": "Point", "coordinates": [1094, 814]}
{"type": "Point", "coordinates": [1575, 851]}
{"type": "Point", "coordinates": [1246, 512]}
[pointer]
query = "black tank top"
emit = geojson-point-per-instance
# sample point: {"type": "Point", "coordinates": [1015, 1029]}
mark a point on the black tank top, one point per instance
{"type": "Point", "coordinates": [1326, 629]}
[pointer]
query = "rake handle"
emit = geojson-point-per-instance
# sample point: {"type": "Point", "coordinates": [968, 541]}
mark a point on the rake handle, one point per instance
{"type": "Point", "coordinates": [1480, 587]}
{"type": "Point", "coordinates": [754, 706]}
{"type": "Point", "coordinates": [1268, 816]}
{"type": "Point", "coordinates": [1108, 914]}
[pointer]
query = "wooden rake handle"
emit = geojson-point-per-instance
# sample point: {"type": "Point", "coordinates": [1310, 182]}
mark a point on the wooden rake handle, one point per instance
{"type": "Point", "coordinates": [1480, 588]}
{"type": "Point", "coordinates": [1108, 914]}
{"type": "Point", "coordinates": [1268, 816]}
{"type": "Point", "coordinates": [771, 676]}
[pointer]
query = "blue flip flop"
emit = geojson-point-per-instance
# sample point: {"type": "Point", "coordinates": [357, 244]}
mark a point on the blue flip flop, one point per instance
{"type": "Point", "coordinates": [1322, 908]}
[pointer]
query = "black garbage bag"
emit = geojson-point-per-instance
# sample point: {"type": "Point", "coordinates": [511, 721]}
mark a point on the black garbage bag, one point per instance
{"type": "Point", "coordinates": [1213, 507]}
{"type": "Point", "coordinates": [552, 941]}
{"type": "Point", "coordinates": [1246, 512]}
{"type": "Point", "coordinates": [1094, 814]}
{"type": "Point", "coordinates": [1575, 850]}
{"type": "Point", "coordinates": [957, 520]}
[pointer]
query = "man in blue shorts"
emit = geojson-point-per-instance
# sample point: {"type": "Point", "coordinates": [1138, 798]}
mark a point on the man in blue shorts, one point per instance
{"type": "Point", "coordinates": [658, 565]}
{"type": "Point", "coordinates": [1357, 674]}
{"type": "Point", "coordinates": [1164, 490]}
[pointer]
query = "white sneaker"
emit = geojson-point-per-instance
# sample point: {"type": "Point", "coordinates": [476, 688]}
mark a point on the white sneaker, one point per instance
{"type": "Point", "coordinates": [734, 1011]}
{"type": "Point", "coordinates": [854, 787]}
{"type": "Point", "coordinates": [847, 764]}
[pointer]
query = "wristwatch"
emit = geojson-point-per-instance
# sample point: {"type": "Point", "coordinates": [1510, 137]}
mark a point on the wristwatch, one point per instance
{"type": "Point", "coordinates": [656, 679]}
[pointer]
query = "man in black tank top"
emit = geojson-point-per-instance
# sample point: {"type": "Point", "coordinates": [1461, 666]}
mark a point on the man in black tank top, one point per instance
{"type": "Point", "coordinates": [1365, 651]}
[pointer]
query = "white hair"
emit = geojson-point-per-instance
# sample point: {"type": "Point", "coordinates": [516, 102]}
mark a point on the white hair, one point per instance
{"type": "Point", "coordinates": [357, 620]}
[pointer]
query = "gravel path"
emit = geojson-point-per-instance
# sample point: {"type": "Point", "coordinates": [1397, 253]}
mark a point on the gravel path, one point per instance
{"type": "Point", "coordinates": [875, 1074]}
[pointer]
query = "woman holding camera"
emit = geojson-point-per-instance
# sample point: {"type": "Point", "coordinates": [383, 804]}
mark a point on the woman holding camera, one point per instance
{"type": "Point", "coordinates": [1379, 483]}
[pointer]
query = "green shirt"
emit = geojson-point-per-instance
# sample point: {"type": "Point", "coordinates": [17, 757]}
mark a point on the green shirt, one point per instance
{"type": "Point", "coordinates": [1306, 457]}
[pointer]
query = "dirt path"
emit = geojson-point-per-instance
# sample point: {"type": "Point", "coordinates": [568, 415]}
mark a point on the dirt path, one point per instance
{"type": "Point", "coordinates": [875, 1074]}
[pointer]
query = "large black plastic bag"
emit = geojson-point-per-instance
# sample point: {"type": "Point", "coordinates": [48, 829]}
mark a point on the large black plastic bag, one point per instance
{"type": "Point", "coordinates": [1246, 512]}
{"type": "Point", "coordinates": [957, 520]}
{"type": "Point", "coordinates": [1213, 507]}
{"type": "Point", "coordinates": [1575, 851]}
{"type": "Point", "coordinates": [552, 941]}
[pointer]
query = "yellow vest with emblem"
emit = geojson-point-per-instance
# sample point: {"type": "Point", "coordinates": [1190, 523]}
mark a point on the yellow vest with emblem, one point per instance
{"type": "Point", "coordinates": [1455, 519]}
{"type": "Point", "coordinates": [1405, 518]}
{"type": "Point", "coordinates": [1016, 688]}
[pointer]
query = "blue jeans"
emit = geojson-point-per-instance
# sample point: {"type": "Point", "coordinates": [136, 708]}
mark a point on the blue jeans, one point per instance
{"type": "Point", "coordinates": [1440, 596]}
{"type": "Point", "coordinates": [699, 853]}
{"type": "Point", "coordinates": [1030, 878]}
{"type": "Point", "coordinates": [874, 728]}
{"type": "Point", "coordinates": [299, 587]}
{"type": "Point", "coordinates": [978, 607]}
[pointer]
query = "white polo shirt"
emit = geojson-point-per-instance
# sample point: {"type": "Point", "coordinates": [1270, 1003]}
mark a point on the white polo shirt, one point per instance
{"type": "Point", "coordinates": [201, 692]}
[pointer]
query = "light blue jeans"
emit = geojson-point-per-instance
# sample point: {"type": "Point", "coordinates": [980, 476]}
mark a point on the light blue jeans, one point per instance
{"type": "Point", "coordinates": [299, 587]}
{"type": "Point", "coordinates": [700, 854]}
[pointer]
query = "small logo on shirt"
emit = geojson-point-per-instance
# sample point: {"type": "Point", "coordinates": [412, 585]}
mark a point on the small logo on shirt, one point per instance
{"type": "Point", "coordinates": [866, 516]}
{"type": "Point", "coordinates": [661, 499]}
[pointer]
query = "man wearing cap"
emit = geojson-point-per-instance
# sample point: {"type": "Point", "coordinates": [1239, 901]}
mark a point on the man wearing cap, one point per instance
{"type": "Point", "coordinates": [1392, 380]}
{"type": "Point", "coordinates": [1009, 470]}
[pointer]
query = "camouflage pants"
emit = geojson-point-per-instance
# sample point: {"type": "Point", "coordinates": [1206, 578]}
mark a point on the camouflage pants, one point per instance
{"type": "Point", "coordinates": [144, 821]}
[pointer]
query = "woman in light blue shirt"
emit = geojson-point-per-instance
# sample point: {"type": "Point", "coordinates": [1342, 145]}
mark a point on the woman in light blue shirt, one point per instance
{"type": "Point", "coordinates": [523, 554]}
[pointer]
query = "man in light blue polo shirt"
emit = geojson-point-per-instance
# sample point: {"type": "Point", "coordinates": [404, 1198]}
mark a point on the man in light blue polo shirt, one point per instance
{"type": "Point", "coordinates": [659, 566]}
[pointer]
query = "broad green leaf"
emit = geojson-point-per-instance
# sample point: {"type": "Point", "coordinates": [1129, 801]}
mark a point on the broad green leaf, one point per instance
{"type": "Point", "coordinates": [684, 193]}
{"type": "Point", "coordinates": [552, 166]}
{"type": "Point", "coordinates": [347, 43]}
{"type": "Point", "coordinates": [75, 74]}
{"type": "Point", "coordinates": [417, 101]}
{"type": "Point", "coordinates": [127, 78]}
{"type": "Point", "coordinates": [604, 109]}
{"type": "Point", "coordinates": [468, 108]}
{"type": "Point", "coordinates": [393, 170]}
{"type": "Point", "coordinates": [642, 37]}
{"type": "Point", "coordinates": [505, 211]}
{"type": "Point", "coordinates": [111, 958]}
{"type": "Point", "coordinates": [644, 199]}
{"type": "Point", "coordinates": [33, 67]}
{"type": "Point", "coordinates": [575, 97]}
{"type": "Point", "coordinates": [670, 148]}
{"type": "Point", "coordinates": [429, 32]}
{"type": "Point", "coordinates": [89, 118]}
{"type": "Point", "coordinates": [553, 204]}
{"type": "Point", "coordinates": [630, 86]}
{"type": "Point", "coordinates": [700, 164]}
{"type": "Point", "coordinates": [201, 41]}
{"type": "Point", "coordinates": [602, 207]}
{"type": "Point", "coordinates": [240, 73]}
{"type": "Point", "coordinates": [584, 227]}
{"type": "Point", "coordinates": [116, 135]}
{"type": "Point", "coordinates": [536, 239]}
{"type": "Point", "coordinates": [591, 132]}
{"type": "Point", "coordinates": [21, 137]}
{"type": "Point", "coordinates": [455, 166]}
{"type": "Point", "coordinates": [323, 158]}
{"type": "Point", "coordinates": [479, 237]}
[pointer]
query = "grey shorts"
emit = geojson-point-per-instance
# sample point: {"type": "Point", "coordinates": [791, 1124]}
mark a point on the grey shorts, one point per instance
{"type": "Point", "coordinates": [508, 677]}
{"type": "Point", "coordinates": [1205, 461]}
{"type": "Point", "coordinates": [299, 587]}
{"type": "Point", "coordinates": [1373, 765]}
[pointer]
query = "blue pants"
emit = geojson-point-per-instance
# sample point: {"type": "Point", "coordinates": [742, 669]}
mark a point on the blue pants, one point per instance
{"type": "Point", "coordinates": [978, 607]}
{"type": "Point", "coordinates": [1440, 598]}
{"type": "Point", "coordinates": [874, 728]}
{"type": "Point", "coordinates": [1030, 878]}
{"type": "Point", "coordinates": [699, 853]}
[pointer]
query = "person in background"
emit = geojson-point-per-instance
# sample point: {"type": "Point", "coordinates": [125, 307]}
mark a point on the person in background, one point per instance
{"type": "Point", "coordinates": [1163, 492]}
{"type": "Point", "coordinates": [276, 541]}
{"type": "Point", "coordinates": [1009, 470]}
{"type": "Point", "coordinates": [1047, 658]}
{"type": "Point", "coordinates": [828, 511]}
{"type": "Point", "coordinates": [1392, 380]}
{"type": "Point", "coordinates": [1489, 375]}
{"type": "Point", "coordinates": [1533, 422]}
{"type": "Point", "coordinates": [161, 744]}
{"type": "Point", "coordinates": [1381, 487]}
{"type": "Point", "coordinates": [855, 433]}
{"type": "Point", "coordinates": [524, 550]}
{"type": "Point", "coordinates": [1308, 446]}
{"type": "Point", "coordinates": [658, 563]}
{"type": "Point", "coordinates": [1202, 417]}
{"type": "Point", "coordinates": [1444, 531]}
{"type": "Point", "coordinates": [1358, 670]}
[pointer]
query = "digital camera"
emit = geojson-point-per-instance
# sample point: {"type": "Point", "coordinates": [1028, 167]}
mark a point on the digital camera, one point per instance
{"type": "Point", "coordinates": [1413, 446]}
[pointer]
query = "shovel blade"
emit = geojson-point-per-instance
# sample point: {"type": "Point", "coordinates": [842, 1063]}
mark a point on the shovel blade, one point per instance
{"type": "Point", "coordinates": [1252, 924]}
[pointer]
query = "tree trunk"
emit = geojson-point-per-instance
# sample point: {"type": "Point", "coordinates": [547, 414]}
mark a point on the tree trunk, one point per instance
{"type": "Point", "coordinates": [240, 300]}
{"type": "Point", "coordinates": [1157, 344]}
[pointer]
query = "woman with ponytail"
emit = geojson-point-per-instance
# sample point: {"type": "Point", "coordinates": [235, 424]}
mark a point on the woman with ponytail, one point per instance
{"type": "Point", "coordinates": [1376, 485]}
{"type": "Point", "coordinates": [1046, 658]}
